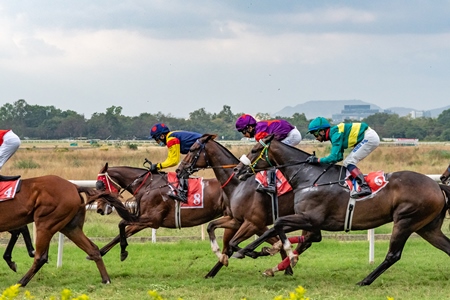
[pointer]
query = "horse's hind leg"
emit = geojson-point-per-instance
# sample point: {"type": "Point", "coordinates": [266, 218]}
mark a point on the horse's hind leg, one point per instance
{"type": "Point", "coordinates": [433, 234]}
{"type": "Point", "coordinates": [400, 235]}
{"type": "Point", "coordinates": [76, 235]}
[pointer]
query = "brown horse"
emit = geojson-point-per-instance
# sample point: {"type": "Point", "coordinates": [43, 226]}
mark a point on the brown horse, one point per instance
{"type": "Point", "coordinates": [445, 176]}
{"type": "Point", "coordinates": [53, 204]}
{"type": "Point", "coordinates": [154, 208]}
{"type": "Point", "coordinates": [251, 211]}
{"type": "Point", "coordinates": [412, 201]}
{"type": "Point", "coordinates": [7, 256]}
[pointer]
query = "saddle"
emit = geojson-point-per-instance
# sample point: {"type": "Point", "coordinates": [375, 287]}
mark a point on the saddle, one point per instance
{"type": "Point", "coordinates": [9, 186]}
{"type": "Point", "coordinates": [375, 180]}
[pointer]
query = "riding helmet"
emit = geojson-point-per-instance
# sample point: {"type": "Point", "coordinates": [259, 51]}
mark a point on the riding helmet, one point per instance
{"type": "Point", "coordinates": [243, 121]}
{"type": "Point", "coordinates": [318, 123]}
{"type": "Point", "coordinates": [158, 129]}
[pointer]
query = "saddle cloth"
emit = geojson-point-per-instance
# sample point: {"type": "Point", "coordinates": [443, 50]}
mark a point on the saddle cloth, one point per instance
{"type": "Point", "coordinates": [8, 189]}
{"type": "Point", "coordinates": [375, 180]}
{"type": "Point", "coordinates": [283, 185]}
{"type": "Point", "coordinates": [195, 190]}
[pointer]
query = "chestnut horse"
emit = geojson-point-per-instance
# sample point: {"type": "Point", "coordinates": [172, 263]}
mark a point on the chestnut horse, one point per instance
{"type": "Point", "coordinates": [53, 204]}
{"type": "Point", "coordinates": [154, 208]}
{"type": "Point", "coordinates": [445, 176]}
{"type": "Point", "coordinates": [251, 211]}
{"type": "Point", "coordinates": [412, 201]}
{"type": "Point", "coordinates": [7, 256]}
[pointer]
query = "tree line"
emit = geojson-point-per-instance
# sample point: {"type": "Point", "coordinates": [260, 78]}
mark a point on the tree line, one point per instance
{"type": "Point", "coordinates": [49, 122]}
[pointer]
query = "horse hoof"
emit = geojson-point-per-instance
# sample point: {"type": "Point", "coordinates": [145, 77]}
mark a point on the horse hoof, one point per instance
{"type": "Point", "coordinates": [268, 273]}
{"type": "Point", "coordinates": [123, 255]}
{"type": "Point", "coordinates": [294, 260]}
{"type": "Point", "coordinates": [13, 266]}
{"type": "Point", "coordinates": [224, 260]}
{"type": "Point", "coordinates": [238, 255]}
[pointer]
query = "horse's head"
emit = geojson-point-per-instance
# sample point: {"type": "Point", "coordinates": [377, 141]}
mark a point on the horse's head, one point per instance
{"type": "Point", "coordinates": [257, 158]}
{"type": "Point", "coordinates": [105, 182]}
{"type": "Point", "coordinates": [445, 176]}
{"type": "Point", "coordinates": [196, 158]}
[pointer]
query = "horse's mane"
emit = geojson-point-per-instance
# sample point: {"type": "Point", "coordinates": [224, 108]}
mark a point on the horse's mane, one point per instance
{"type": "Point", "coordinates": [220, 145]}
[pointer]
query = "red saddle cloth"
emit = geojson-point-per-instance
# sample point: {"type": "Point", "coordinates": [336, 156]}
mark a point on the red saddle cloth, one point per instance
{"type": "Point", "coordinates": [8, 189]}
{"type": "Point", "coordinates": [195, 190]}
{"type": "Point", "coordinates": [283, 185]}
{"type": "Point", "coordinates": [375, 180]}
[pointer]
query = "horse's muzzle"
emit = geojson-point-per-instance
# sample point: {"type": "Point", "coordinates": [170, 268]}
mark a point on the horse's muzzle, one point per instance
{"type": "Point", "coordinates": [100, 186]}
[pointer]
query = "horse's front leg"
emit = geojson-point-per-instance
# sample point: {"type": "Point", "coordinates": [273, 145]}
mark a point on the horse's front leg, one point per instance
{"type": "Point", "coordinates": [283, 224]}
{"type": "Point", "coordinates": [123, 241]}
{"type": "Point", "coordinates": [7, 256]}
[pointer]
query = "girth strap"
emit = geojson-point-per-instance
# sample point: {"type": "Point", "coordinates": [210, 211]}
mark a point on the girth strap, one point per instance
{"type": "Point", "coordinates": [349, 214]}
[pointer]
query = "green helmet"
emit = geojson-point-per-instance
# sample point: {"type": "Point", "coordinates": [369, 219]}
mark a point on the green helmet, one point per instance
{"type": "Point", "coordinates": [318, 123]}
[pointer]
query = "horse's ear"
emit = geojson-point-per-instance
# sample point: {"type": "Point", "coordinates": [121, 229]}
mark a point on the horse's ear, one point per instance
{"type": "Point", "coordinates": [210, 136]}
{"type": "Point", "coordinates": [105, 167]}
{"type": "Point", "coordinates": [269, 138]}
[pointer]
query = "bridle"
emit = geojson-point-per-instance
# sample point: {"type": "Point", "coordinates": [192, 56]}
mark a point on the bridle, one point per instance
{"type": "Point", "coordinates": [114, 187]}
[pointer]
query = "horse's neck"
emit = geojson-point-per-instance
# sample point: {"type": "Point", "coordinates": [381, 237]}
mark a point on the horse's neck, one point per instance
{"type": "Point", "coordinates": [299, 172]}
{"type": "Point", "coordinates": [124, 178]}
{"type": "Point", "coordinates": [219, 156]}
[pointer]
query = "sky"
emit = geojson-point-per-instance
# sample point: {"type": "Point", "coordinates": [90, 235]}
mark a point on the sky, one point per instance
{"type": "Point", "coordinates": [178, 56]}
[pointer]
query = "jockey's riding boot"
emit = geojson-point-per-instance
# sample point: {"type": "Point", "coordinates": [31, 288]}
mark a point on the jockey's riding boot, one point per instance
{"type": "Point", "coordinates": [181, 193]}
{"type": "Point", "coordinates": [271, 180]}
{"type": "Point", "coordinates": [364, 187]}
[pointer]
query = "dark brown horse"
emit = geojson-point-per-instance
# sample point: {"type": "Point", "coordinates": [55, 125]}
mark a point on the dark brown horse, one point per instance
{"type": "Point", "coordinates": [446, 176]}
{"type": "Point", "coordinates": [412, 201]}
{"type": "Point", "coordinates": [251, 211]}
{"type": "Point", "coordinates": [154, 208]}
{"type": "Point", "coordinates": [53, 204]}
{"type": "Point", "coordinates": [7, 256]}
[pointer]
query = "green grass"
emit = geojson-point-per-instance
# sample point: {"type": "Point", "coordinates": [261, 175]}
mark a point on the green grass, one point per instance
{"type": "Point", "coordinates": [329, 270]}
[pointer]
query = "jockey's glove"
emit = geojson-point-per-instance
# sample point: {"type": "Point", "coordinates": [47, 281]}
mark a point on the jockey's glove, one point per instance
{"type": "Point", "coordinates": [312, 160]}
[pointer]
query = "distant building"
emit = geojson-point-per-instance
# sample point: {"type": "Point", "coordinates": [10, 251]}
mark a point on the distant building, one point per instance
{"type": "Point", "coordinates": [356, 113]}
{"type": "Point", "coordinates": [420, 114]}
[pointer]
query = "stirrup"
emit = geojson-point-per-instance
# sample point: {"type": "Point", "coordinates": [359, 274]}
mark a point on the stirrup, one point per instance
{"type": "Point", "coordinates": [266, 189]}
{"type": "Point", "coordinates": [177, 197]}
{"type": "Point", "coordinates": [362, 193]}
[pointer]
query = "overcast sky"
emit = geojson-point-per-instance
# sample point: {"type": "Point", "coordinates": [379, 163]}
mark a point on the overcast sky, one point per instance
{"type": "Point", "coordinates": [177, 56]}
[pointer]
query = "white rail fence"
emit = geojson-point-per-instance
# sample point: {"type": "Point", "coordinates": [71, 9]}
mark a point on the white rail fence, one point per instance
{"type": "Point", "coordinates": [91, 183]}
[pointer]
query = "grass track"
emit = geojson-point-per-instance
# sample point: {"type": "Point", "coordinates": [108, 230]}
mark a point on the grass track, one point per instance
{"type": "Point", "coordinates": [329, 270]}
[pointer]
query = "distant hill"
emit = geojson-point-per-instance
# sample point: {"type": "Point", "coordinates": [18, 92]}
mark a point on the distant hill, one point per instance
{"type": "Point", "coordinates": [327, 108]}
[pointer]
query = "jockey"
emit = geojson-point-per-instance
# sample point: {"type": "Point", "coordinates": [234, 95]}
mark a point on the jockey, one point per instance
{"type": "Point", "coordinates": [283, 131]}
{"type": "Point", "coordinates": [177, 142]}
{"type": "Point", "coordinates": [9, 143]}
{"type": "Point", "coordinates": [360, 136]}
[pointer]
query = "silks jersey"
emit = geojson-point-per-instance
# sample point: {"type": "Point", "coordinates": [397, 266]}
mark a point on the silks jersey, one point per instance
{"type": "Point", "coordinates": [280, 128]}
{"type": "Point", "coordinates": [178, 142]}
{"type": "Point", "coordinates": [343, 136]}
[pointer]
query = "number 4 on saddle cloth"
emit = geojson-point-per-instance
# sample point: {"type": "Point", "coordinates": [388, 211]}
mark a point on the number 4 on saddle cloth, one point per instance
{"type": "Point", "coordinates": [9, 186]}
{"type": "Point", "coordinates": [195, 190]}
{"type": "Point", "coordinates": [283, 185]}
{"type": "Point", "coordinates": [375, 180]}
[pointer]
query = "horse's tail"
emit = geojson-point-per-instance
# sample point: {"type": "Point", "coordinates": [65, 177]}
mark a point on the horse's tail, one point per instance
{"type": "Point", "coordinates": [94, 195]}
{"type": "Point", "coordinates": [446, 190]}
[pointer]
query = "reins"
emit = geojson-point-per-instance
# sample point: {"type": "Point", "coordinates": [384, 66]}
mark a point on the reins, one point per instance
{"type": "Point", "coordinates": [265, 152]}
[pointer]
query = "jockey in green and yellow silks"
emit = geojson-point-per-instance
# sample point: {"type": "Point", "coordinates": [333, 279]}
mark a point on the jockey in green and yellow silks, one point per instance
{"type": "Point", "coordinates": [360, 136]}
